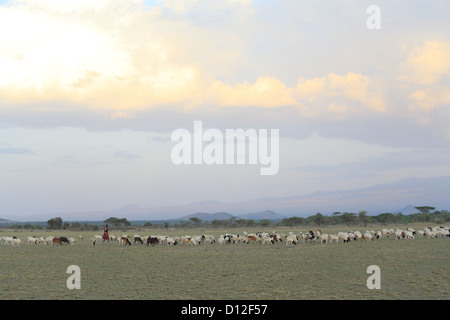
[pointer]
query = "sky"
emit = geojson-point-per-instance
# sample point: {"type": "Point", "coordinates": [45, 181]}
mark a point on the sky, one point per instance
{"type": "Point", "coordinates": [91, 91]}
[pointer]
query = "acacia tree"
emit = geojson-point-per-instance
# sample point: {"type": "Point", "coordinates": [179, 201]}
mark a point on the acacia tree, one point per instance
{"type": "Point", "coordinates": [348, 218]}
{"type": "Point", "coordinates": [362, 216]}
{"type": "Point", "coordinates": [319, 219]}
{"type": "Point", "coordinates": [55, 223]}
{"type": "Point", "coordinates": [425, 209]}
{"type": "Point", "coordinates": [117, 222]}
{"type": "Point", "coordinates": [196, 221]}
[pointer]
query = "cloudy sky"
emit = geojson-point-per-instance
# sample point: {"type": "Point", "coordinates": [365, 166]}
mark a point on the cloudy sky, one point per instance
{"type": "Point", "coordinates": [90, 92]}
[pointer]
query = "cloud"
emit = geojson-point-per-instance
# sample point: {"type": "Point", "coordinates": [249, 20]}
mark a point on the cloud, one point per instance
{"type": "Point", "coordinates": [108, 55]}
{"type": "Point", "coordinates": [426, 64]}
{"type": "Point", "coordinates": [16, 151]}
{"type": "Point", "coordinates": [425, 72]}
{"type": "Point", "coordinates": [266, 92]}
{"type": "Point", "coordinates": [127, 55]}
{"type": "Point", "coordinates": [269, 92]}
{"type": "Point", "coordinates": [160, 139]}
{"type": "Point", "coordinates": [340, 94]}
{"type": "Point", "coordinates": [428, 99]}
{"type": "Point", "coordinates": [124, 155]}
{"type": "Point", "coordinates": [108, 64]}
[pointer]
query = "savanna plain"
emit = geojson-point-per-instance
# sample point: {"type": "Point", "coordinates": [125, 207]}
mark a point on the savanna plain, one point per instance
{"type": "Point", "coordinates": [409, 269]}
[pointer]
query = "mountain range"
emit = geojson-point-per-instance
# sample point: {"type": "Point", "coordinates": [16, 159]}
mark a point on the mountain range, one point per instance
{"type": "Point", "coordinates": [400, 196]}
{"type": "Point", "coordinates": [264, 215]}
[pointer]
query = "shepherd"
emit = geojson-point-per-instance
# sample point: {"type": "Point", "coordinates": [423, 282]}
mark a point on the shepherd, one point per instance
{"type": "Point", "coordinates": [105, 234]}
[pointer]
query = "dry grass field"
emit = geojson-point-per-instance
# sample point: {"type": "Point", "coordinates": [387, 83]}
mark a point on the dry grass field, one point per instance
{"type": "Point", "coordinates": [410, 269]}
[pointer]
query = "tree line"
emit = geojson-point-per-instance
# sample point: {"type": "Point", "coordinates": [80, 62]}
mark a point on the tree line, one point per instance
{"type": "Point", "coordinates": [426, 214]}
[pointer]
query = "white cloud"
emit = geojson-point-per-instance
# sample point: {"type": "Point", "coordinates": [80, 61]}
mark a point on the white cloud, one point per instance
{"type": "Point", "coordinates": [430, 98]}
{"type": "Point", "coordinates": [125, 155]}
{"type": "Point", "coordinates": [265, 92]}
{"type": "Point", "coordinates": [426, 64]}
{"type": "Point", "coordinates": [339, 93]}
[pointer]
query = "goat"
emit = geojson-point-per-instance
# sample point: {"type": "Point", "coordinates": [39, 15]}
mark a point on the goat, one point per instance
{"type": "Point", "coordinates": [124, 241]}
{"type": "Point", "coordinates": [152, 241]}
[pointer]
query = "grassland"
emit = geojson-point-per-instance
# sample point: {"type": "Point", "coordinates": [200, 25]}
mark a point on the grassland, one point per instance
{"type": "Point", "coordinates": [410, 269]}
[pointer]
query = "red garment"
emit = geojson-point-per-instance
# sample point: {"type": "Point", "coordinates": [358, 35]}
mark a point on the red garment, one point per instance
{"type": "Point", "coordinates": [105, 234]}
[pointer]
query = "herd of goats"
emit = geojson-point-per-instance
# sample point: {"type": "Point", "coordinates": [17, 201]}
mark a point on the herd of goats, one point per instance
{"type": "Point", "coordinates": [291, 238]}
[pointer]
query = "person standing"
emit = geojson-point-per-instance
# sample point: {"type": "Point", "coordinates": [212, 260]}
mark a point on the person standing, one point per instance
{"type": "Point", "coordinates": [105, 233]}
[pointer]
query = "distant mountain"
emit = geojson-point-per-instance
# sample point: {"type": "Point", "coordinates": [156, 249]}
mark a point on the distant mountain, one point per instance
{"type": "Point", "coordinates": [208, 216]}
{"type": "Point", "coordinates": [389, 197]}
{"type": "Point", "coordinates": [6, 221]}
{"type": "Point", "coordinates": [207, 202]}
{"type": "Point", "coordinates": [409, 209]}
{"type": "Point", "coordinates": [375, 199]}
{"type": "Point", "coordinates": [265, 215]}
{"type": "Point", "coordinates": [129, 208]}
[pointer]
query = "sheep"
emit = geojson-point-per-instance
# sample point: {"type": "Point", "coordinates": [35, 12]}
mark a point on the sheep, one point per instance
{"type": "Point", "coordinates": [411, 230]}
{"type": "Point", "coordinates": [33, 240]}
{"type": "Point", "coordinates": [162, 239]}
{"type": "Point", "coordinates": [368, 235]}
{"type": "Point", "coordinates": [276, 237]}
{"type": "Point", "coordinates": [291, 239]}
{"type": "Point", "coordinates": [197, 239]}
{"type": "Point", "coordinates": [343, 236]}
{"type": "Point", "coordinates": [72, 240]}
{"type": "Point", "coordinates": [408, 234]}
{"type": "Point", "coordinates": [225, 238]}
{"type": "Point", "coordinates": [243, 239]}
{"type": "Point", "coordinates": [188, 240]}
{"type": "Point", "coordinates": [171, 241]}
{"type": "Point", "coordinates": [48, 240]}
{"type": "Point", "coordinates": [16, 242]}
{"type": "Point", "coordinates": [358, 235]}
{"type": "Point", "coordinates": [398, 234]}
{"type": "Point", "coordinates": [221, 240]}
{"type": "Point", "coordinates": [7, 240]}
{"type": "Point", "coordinates": [352, 235]}
{"type": "Point", "coordinates": [444, 233]}
{"type": "Point", "coordinates": [333, 238]}
{"type": "Point", "coordinates": [441, 232]}
{"type": "Point", "coordinates": [324, 237]}
{"type": "Point", "coordinates": [309, 236]}
{"type": "Point", "coordinates": [430, 234]}
{"type": "Point", "coordinates": [267, 240]}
